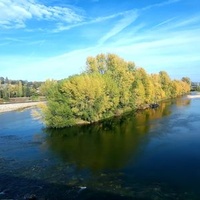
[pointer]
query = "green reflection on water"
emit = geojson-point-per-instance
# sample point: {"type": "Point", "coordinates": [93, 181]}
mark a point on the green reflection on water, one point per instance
{"type": "Point", "coordinates": [108, 145]}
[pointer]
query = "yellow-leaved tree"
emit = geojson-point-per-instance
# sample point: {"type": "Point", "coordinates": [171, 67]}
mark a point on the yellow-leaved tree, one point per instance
{"type": "Point", "coordinates": [109, 86]}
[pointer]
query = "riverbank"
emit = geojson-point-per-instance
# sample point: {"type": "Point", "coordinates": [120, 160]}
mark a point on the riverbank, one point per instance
{"type": "Point", "coordinates": [17, 106]}
{"type": "Point", "coordinates": [193, 96]}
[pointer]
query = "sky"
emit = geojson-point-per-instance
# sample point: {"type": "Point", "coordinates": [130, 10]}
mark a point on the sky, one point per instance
{"type": "Point", "coordinates": [51, 39]}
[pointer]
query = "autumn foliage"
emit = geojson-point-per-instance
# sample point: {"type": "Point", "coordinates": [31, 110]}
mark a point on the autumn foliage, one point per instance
{"type": "Point", "coordinates": [109, 86]}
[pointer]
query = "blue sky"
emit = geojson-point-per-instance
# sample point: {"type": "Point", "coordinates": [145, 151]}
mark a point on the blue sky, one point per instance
{"type": "Point", "coordinates": [42, 39]}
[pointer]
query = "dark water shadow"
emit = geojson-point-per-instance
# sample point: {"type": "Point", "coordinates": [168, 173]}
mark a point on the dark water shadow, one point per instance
{"type": "Point", "coordinates": [12, 187]}
{"type": "Point", "coordinates": [19, 188]}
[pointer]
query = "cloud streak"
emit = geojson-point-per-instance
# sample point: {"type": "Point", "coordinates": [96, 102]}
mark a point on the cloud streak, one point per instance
{"type": "Point", "coordinates": [15, 13]}
{"type": "Point", "coordinates": [160, 4]}
{"type": "Point", "coordinates": [169, 42]}
{"type": "Point", "coordinates": [128, 18]}
{"type": "Point", "coordinates": [63, 27]}
{"type": "Point", "coordinates": [156, 50]}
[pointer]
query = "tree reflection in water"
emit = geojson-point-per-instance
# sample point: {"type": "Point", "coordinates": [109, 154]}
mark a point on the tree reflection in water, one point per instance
{"type": "Point", "coordinates": [107, 145]}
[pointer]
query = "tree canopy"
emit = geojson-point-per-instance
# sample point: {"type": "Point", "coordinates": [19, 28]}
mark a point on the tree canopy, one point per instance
{"type": "Point", "coordinates": [109, 86]}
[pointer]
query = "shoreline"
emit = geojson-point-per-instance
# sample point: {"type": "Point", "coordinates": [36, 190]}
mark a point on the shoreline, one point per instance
{"type": "Point", "coordinates": [8, 107]}
{"type": "Point", "coordinates": [193, 96]}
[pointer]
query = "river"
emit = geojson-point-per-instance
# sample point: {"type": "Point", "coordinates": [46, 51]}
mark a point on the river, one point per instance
{"type": "Point", "coordinates": [153, 154]}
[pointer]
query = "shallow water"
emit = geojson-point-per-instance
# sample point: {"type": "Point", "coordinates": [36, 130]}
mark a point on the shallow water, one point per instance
{"type": "Point", "coordinates": [154, 154]}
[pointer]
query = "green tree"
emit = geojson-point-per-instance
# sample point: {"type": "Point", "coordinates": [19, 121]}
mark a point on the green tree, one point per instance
{"type": "Point", "coordinates": [141, 75]}
{"type": "Point", "coordinates": [139, 92]}
{"type": "Point", "coordinates": [187, 80]}
{"type": "Point", "coordinates": [159, 93]}
{"type": "Point", "coordinates": [165, 83]}
{"type": "Point", "coordinates": [57, 112]}
{"type": "Point", "coordinates": [109, 86]}
{"type": "Point", "coordinates": [19, 89]}
{"type": "Point", "coordinates": [1, 89]}
{"type": "Point", "coordinates": [47, 87]}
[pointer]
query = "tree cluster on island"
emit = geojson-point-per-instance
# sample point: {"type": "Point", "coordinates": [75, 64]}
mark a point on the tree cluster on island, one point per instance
{"type": "Point", "coordinates": [108, 87]}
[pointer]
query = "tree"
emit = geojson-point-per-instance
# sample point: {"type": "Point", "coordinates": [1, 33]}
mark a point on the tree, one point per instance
{"type": "Point", "coordinates": [2, 80]}
{"type": "Point", "coordinates": [187, 80]}
{"type": "Point", "coordinates": [19, 89]}
{"type": "Point", "coordinates": [139, 92]}
{"type": "Point", "coordinates": [141, 75]}
{"type": "Point", "coordinates": [47, 87]}
{"type": "Point", "coordinates": [159, 93]}
{"type": "Point", "coordinates": [6, 80]}
{"type": "Point", "coordinates": [165, 83]}
{"type": "Point", "coordinates": [0, 89]}
{"type": "Point", "coordinates": [108, 87]}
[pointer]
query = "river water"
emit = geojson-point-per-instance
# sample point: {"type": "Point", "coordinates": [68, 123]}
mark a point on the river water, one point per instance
{"type": "Point", "coordinates": [153, 154]}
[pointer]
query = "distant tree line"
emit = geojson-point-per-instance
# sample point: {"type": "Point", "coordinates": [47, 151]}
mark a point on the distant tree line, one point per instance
{"type": "Point", "coordinates": [195, 86]}
{"type": "Point", "coordinates": [18, 88]}
{"type": "Point", "coordinates": [109, 86]}
{"type": "Point", "coordinates": [198, 88]}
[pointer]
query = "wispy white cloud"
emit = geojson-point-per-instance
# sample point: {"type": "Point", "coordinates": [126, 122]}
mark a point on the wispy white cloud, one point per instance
{"type": "Point", "coordinates": [63, 27]}
{"type": "Point", "coordinates": [173, 44]}
{"type": "Point", "coordinates": [178, 23]}
{"type": "Point", "coordinates": [164, 22]}
{"type": "Point", "coordinates": [15, 13]}
{"type": "Point", "coordinates": [128, 18]}
{"type": "Point", "coordinates": [164, 3]}
{"type": "Point", "coordinates": [172, 53]}
{"type": "Point", "coordinates": [188, 22]}
{"type": "Point", "coordinates": [154, 50]}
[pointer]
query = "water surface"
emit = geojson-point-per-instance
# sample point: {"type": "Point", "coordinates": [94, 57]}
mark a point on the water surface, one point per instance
{"type": "Point", "coordinates": [153, 154]}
